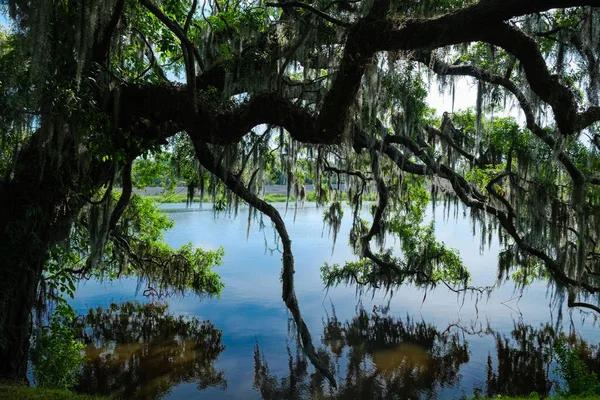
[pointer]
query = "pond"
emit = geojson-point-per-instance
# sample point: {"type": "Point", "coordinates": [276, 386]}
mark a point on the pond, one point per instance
{"type": "Point", "coordinates": [407, 344]}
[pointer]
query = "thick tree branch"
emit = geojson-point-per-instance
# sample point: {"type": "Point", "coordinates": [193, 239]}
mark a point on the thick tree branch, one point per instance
{"type": "Point", "coordinates": [101, 49]}
{"type": "Point", "coordinates": [547, 86]}
{"type": "Point", "coordinates": [166, 110]}
{"type": "Point", "coordinates": [506, 219]}
{"type": "Point", "coordinates": [442, 68]}
{"type": "Point", "coordinates": [480, 22]}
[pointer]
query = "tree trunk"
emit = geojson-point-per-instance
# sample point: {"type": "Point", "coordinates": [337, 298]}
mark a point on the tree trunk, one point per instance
{"type": "Point", "coordinates": [23, 248]}
{"type": "Point", "coordinates": [37, 208]}
{"type": "Point", "coordinates": [16, 328]}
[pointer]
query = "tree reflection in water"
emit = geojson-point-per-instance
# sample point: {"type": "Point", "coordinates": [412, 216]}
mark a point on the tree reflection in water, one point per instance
{"type": "Point", "coordinates": [525, 360]}
{"type": "Point", "coordinates": [138, 351]}
{"type": "Point", "coordinates": [388, 358]}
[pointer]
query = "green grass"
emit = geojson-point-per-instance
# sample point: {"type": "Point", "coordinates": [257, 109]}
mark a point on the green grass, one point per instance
{"type": "Point", "coordinates": [171, 198]}
{"type": "Point", "coordinates": [269, 198]}
{"type": "Point", "coordinates": [536, 397]}
{"type": "Point", "coordinates": [37, 393]}
{"type": "Point", "coordinates": [9, 392]}
{"type": "Point", "coordinates": [182, 198]}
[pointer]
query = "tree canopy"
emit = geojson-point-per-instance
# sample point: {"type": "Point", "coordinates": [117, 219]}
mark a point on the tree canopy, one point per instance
{"type": "Point", "coordinates": [331, 91]}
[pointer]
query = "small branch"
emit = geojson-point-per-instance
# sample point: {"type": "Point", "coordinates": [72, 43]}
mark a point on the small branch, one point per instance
{"type": "Point", "coordinates": [572, 303]}
{"type": "Point", "coordinates": [256, 143]}
{"type": "Point", "coordinates": [310, 8]}
{"type": "Point", "coordinates": [550, 33]}
{"type": "Point", "coordinates": [346, 172]}
{"type": "Point", "coordinates": [150, 52]}
{"type": "Point", "coordinates": [176, 29]}
{"type": "Point", "coordinates": [125, 196]}
{"type": "Point", "coordinates": [430, 129]}
{"type": "Point", "coordinates": [190, 15]}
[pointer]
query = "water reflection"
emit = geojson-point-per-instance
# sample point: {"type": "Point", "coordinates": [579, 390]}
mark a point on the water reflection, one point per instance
{"type": "Point", "coordinates": [139, 351]}
{"type": "Point", "coordinates": [387, 358]}
{"type": "Point", "coordinates": [251, 305]}
{"type": "Point", "coordinates": [381, 357]}
{"type": "Point", "coordinates": [525, 360]}
{"type": "Point", "coordinates": [588, 353]}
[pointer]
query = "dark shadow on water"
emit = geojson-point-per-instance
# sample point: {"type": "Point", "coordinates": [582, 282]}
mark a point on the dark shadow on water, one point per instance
{"type": "Point", "coordinates": [139, 351]}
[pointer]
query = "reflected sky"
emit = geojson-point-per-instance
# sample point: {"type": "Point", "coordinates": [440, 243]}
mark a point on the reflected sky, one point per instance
{"type": "Point", "coordinates": [251, 311]}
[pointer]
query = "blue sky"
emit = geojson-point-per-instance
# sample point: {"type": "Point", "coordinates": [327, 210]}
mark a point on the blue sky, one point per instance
{"type": "Point", "coordinates": [3, 16]}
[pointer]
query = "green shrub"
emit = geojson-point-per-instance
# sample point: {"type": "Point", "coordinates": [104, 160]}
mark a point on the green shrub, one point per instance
{"type": "Point", "coordinates": [56, 356]}
{"type": "Point", "coordinates": [579, 379]}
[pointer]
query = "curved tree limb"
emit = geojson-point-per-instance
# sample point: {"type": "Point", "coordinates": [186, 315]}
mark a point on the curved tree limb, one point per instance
{"type": "Point", "coordinates": [442, 68]}
{"type": "Point", "coordinates": [125, 195]}
{"type": "Point", "coordinates": [465, 192]}
{"type": "Point", "coordinates": [479, 22]}
{"type": "Point", "coordinates": [101, 49]}
{"type": "Point", "coordinates": [234, 184]}
{"type": "Point", "coordinates": [547, 86]}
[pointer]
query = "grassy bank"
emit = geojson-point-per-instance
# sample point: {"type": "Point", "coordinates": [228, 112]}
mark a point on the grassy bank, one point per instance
{"type": "Point", "coordinates": [269, 198]}
{"type": "Point", "coordinates": [537, 397]}
{"type": "Point", "coordinates": [37, 393]}
{"type": "Point", "coordinates": [182, 198]}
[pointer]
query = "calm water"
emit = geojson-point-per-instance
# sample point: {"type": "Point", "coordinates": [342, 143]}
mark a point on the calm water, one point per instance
{"type": "Point", "coordinates": [433, 346]}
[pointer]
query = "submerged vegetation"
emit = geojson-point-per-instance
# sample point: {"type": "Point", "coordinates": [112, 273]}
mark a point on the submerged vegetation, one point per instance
{"type": "Point", "coordinates": [225, 97]}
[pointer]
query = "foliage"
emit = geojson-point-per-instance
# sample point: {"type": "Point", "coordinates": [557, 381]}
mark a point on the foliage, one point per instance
{"type": "Point", "coordinates": [422, 259]}
{"type": "Point", "coordinates": [154, 171]}
{"type": "Point", "coordinates": [56, 356]}
{"type": "Point", "coordinates": [135, 248]}
{"type": "Point", "coordinates": [332, 217]}
{"type": "Point", "coordinates": [579, 380]}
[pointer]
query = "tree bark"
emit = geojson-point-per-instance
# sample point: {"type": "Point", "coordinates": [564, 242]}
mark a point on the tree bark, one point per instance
{"type": "Point", "coordinates": [17, 305]}
{"type": "Point", "coordinates": [37, 208]}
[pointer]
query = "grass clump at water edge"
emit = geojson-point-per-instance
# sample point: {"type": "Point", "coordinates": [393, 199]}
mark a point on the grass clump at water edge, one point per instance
{"type": "Point", "coordinates": [15, 392]}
